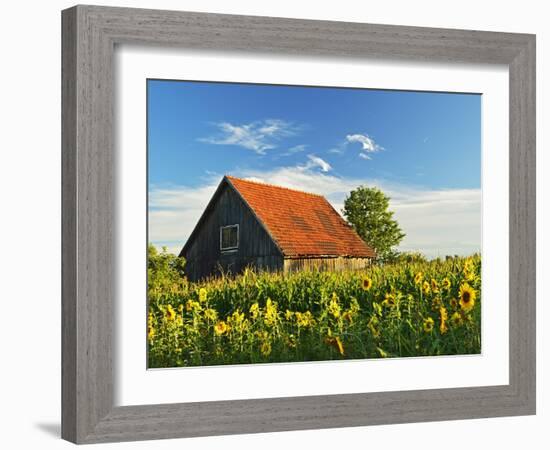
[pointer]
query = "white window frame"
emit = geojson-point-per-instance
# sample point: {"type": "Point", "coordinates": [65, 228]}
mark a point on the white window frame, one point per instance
{"type": "Point", "coordinates": [227, 249]}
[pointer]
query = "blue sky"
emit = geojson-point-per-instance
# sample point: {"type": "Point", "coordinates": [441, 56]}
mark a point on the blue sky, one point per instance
{"type": "Point", "coordinates": [423, 149]}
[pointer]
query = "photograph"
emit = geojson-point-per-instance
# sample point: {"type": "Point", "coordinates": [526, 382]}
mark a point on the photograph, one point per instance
{"type": "Point", "coordinates": [291, 224]}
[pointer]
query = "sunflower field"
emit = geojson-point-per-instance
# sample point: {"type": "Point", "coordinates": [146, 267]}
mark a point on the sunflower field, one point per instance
{"type": "Point", "coordinates": [395, 310]}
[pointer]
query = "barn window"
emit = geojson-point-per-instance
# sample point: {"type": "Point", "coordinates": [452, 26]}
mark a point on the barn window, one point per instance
{"type": "Point", "coordinates": [229, 237]}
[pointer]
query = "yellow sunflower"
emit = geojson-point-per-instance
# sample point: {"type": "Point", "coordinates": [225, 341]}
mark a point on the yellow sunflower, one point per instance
{"type": "Point", "coordinates": [254, 311]}
{"type": "Point", "coordinates": [221, 328]}
{"type": "Point", "coordinates": [434, 286]}
{"type": "Point", "coordinates": [366, 283]}
{"type": "Point", "coordinates": [305, 320]}
{"type": "Point", "coordinates": [203, 295]}
{"type": "Point", "coordinates": [170, 313]}
{"type": "Point", "coordinates": [443, 320]}
{"type": "Point", "coordinates": [426, 287]}
{"type": "Point", "coordinates": [333, 306]}
{"type": "Point", "coordinates": [418, 278]}
{"type": "Point", "coordinates": [210, 314]}
{"type": "Point", "coordinates": [468, 270]}
{"type": "Point", "coordinates": [192, 305]}
{"type": "Point", "coordinates": [291, 341]}
{"type": "Point", "coordinates": [237, 318]}
{"type": "Point", "coordinates": [336, 342]}
{"type": "Point", "coordinates": [372, 325]}
{"type": "Point", "coordinates": [271, 314]}
{"type": "Point", "coordinates": [428, 325]}
{"type": "Point", "coordinates": [456, 319]}
{"type": "Point", "coordinates": [348, 316]}
{"type": "Point", "coordinates": [389, 300]}
{"type": "Point", "coordinates": [265, 348]}
{"type": "Point", "coordinates": [467, 297]}
{"type": "Point", "coordinates": [446, 283]}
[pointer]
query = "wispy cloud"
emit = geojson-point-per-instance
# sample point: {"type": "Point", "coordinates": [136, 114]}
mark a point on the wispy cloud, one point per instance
{"type": "Point", "coordinates": [174, 211]}
{"type": "Point", "coordinates": [368, 145]}
{"type": "Point", "coordinates": [257, 136]}
{"type": "Point", "coordinates": [296, 149]}
{"type": "Point", "coordinates": [437, 222]}
{"type": "Point", "coordinates": [315, 161]}
{"type": "Point", "coordinates": [338, 149]}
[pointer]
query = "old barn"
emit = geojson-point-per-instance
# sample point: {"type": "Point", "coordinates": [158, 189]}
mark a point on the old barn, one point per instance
{"type": "Point", "coordinates": [271, 228]}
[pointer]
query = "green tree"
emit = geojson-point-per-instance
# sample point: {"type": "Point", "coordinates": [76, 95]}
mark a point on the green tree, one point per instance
{"type": "Point", "coordinates": [409, 258]}
{"type": "Point", "coordinates": [366, 209]}
{"type": "Point", "coordinates": [163, 269]}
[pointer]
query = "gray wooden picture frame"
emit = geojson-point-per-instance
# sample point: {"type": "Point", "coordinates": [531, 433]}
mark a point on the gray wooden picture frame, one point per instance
{"type": "Point", "coordinates": [90, 34]}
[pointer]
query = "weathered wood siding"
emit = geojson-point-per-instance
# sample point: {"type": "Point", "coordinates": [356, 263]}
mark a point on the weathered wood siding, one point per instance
{"type": "Point", "coordinates": [256, 249]}
{"type": "Point", "coordinates": [328, 263]}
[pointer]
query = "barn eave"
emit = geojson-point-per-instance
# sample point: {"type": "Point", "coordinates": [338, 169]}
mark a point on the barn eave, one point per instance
{"type": "Point", "coordinates": [310, 256]}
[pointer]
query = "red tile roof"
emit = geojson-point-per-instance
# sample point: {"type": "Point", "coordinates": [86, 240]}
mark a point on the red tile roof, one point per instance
{"type": "Point", "coordinates": [301, 224]}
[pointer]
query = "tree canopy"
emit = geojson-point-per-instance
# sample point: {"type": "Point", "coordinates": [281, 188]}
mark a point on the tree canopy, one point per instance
{"type": "Point", "coordinates": [163, 268]}
{"type": "Point", "coordinates": [366, 209]}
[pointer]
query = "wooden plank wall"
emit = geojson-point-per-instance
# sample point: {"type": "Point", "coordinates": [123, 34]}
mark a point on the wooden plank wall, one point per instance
{"type": "Point", "coordinates": [329, 263]}
{"type": "Point", "coordinates": [256, 248]}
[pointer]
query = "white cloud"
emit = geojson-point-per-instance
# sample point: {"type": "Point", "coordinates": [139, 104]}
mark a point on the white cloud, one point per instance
{"type": "Point", "coordinates": [368, 145]}
{"type": "Point", "coordinates": [296, 149]}
{"type": "Point", "coordinates": [257, 136]}
{"type": "Point", "coordinates": [315, 161]}
{"type": "Point", "coordinates": [366, 142]}
{"type": "Point", "coordinates": [174, 212]}
{"type": "Point", "coordinates": [339, 148]}
{"type": "Point", "coordinates": [437, 222]}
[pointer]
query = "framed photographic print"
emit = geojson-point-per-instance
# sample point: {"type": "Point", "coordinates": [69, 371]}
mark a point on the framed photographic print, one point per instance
{"type": "Point", "coordinates": [305, 210]}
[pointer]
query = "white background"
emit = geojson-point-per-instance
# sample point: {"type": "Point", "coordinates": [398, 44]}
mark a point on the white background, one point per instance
{"type": "Point", "coordinates": [135, 386]}
{"type": "Point", "coordinates": [31, 208]}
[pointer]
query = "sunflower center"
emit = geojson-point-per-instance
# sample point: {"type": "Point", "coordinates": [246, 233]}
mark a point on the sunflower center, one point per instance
{"type": "Point", "coordinates": [466, 297]}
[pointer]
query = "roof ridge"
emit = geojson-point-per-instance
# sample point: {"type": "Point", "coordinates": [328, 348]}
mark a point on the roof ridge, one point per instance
{"type": "Point", "coordinates": [262, 183]}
